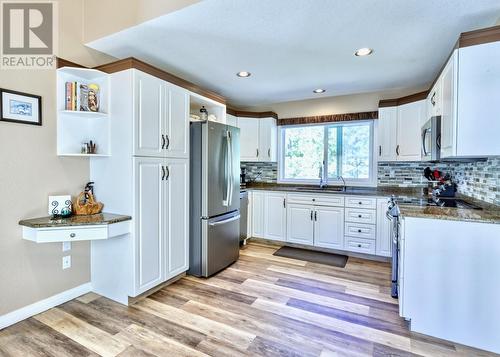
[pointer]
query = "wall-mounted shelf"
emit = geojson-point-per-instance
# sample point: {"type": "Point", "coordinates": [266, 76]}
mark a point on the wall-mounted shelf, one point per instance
{"type": "Point", "coordinates": [75, 127]}
{"type": "Point", "coordinates": [75, 228]}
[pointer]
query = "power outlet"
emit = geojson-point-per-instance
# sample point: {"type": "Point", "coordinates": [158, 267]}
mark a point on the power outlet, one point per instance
{"type": "Point", "coordinates": [66, 246]}
{"type": "Point", "coordinates": [66, 262]}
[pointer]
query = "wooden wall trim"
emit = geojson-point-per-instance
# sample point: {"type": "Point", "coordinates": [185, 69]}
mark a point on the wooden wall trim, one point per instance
{"type": "Point", "coordinates": [61, 62]}
{"type": "Point", "coordinates": [329, 118]}
{"type": "Point", "coordinates": [247, 114]}
{"type": "Point", "coordinates": [403, 100]}
{"type": "Point", "coordinates": [131, 62]}
{"type": "Point", "coordinates": [478, 37]}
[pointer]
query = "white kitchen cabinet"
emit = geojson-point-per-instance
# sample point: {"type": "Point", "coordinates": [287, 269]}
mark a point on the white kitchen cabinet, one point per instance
{"type": "Point", "coordinates": [249, 139]}
{"type": "Point", "coordinates": [149, 126]}
{"type": "Point", "coordinates": [258, 201]}
{"type": "Point", "coordinates": [434, 99]}
{"type": "Point", "coordinates": [300, 224]}
{"type": "Point", "coordinates": [410, 116]}
{"type": "Point", "coordinates": [387, 131]}
{"type": "Point", "coordinates": [384, 239]}
{"type": "Point", "coordinates": [161, 127]}
{"type": "Point", "coordinates": [150, 234]}
{"type": "Point", "coordinates": [275, 216]}
{"type": "Point", "coordinates": [268, 139]}
{"type": "Point", "coordinates": [329, 227]}
{"type": "Point", "coordinates": [176, 216]}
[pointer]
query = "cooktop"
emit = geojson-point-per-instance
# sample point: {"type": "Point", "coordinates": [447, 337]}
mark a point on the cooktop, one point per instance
{"type": "Point", "coordinates": [436, 202]}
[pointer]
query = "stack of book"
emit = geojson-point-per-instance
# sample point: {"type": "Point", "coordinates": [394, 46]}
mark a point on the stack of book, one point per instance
{"type": "Point", "coordinates": [82, 97]}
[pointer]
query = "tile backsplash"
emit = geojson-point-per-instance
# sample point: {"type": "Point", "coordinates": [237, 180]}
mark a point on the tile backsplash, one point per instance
{"type": "Point", "coordinates": [261, 171]}
{"type": "Point", "coordinates": [480, 179]}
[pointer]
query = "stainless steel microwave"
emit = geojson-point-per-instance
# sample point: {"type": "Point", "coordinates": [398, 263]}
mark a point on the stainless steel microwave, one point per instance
{"type": "Point", "coordinates": [431, 139]}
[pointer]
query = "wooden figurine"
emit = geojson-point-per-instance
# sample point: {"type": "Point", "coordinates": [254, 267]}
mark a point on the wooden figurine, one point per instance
{"type": "Point", "coordinates": [85, 203]}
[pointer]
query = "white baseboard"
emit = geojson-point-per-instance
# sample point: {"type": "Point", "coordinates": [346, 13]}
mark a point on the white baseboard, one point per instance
{"type": "Point", "coordinates": [43, 305]}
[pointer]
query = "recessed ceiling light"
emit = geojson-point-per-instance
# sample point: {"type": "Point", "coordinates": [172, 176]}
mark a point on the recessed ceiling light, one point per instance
{"type": "Point", "coordinates": [243, 74]}
{"type": "Point", "coordinates": [319, 90]}
{"type": "Point", "coordinates": [365, 51]}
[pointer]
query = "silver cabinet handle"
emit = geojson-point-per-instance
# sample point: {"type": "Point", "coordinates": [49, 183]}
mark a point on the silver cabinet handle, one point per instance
{"type": "Point", "coordinates": [257, 152]}
{"type": "Point", "coordinates": [269, 152]}
{"type": "Point", "coordinates": [284, 202]}
{"type": "Point", "coordinates": [316, 215]}
{"type": "Point", "coordinates": [163, 173]}
{"type": "Point", "coordinates": [167, 174]}
{"type": "Point", "coordinates": [380, 150]}
{"type": "Point", "coordinates": [359, 230]}
{"type": "Point", "coordinates": [359, 216]}
{"type": "Point", "coordinates": [72, 235]}
{"type": "Point", "coordinates": [168, 142]}
{"type": "Point", "coordinates": [162, 141]}
{"type": "Point", "coordinates": [311, 215]}
{"type": "Point", "coordinates": [397, 150]}
{"type": "Point", "coordinates": [359, 245]}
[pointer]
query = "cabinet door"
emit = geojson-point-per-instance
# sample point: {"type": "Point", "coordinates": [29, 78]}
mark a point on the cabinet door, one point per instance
{"type": "Point", "coordinates": [150, 115]}
{"type": "Point", "coordinates": [387, 131]}
{"type": "Point", "coordinates": [434, 99]}
{"type": "Point", "coordinates": [329, 227]}
{"type": "Point", "coordinates": [249, 139]}
{"type": "Point", "coordinates": [176, 216]}
{"type": "Point", "coordinates": [177, 123]}
{"type": "Point", "coordinates": [268, 139]}
{"type": "Point", "coordinates": [384, 239]}
{"type": "Point", "coordinates": [408, 129]}
{"type": "Point", "coordinates": [275, 216]}
{"type": "Point", "coordinates": [258, 214]}
{"type": "Point", "coordinates": [299, 227]}
{"type": "Point", "coordinates": [149, 223]}
{"type": "Point", "coordinates": [448, 112]}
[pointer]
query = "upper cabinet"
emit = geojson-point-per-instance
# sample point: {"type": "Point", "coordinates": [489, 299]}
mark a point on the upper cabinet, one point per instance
{"type": "Point", "coordinates": [399, 131]}
{"type": "Point", "coordinates": [259, 139]}
{"type": "Point", "coordinates": [161, 126]}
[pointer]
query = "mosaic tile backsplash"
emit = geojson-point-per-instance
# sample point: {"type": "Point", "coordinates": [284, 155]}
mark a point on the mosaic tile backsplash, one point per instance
{"type": "Point", "coordinates": [480, 180]}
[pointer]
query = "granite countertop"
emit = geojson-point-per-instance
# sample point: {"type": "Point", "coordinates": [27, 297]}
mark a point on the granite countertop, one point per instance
{"type": "Point", "coordinates": [91, 220]}
{"type": "Point", "coordinates": [355, 191]}
{"type": "Point", "coordinates": [488, 214]}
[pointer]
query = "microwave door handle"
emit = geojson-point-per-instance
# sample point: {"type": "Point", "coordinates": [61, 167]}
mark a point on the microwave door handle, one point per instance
{"type": "Point", "coordinates": [424, 136]}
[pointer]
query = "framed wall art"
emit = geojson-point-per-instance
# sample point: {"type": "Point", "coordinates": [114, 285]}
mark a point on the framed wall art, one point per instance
{"type": "Point", "coordinates": [17, 107]}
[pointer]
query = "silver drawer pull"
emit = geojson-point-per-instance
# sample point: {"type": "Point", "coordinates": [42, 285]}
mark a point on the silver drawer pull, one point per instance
{"type": "Point", "coordinates": [359, 245]}
{"type": "Point", "coordinates": [360, 216]}
{"type": "Point", "coordinates": [359, 230]}
{"type": "Point", "coordinates": [360, 202]}
{"type": "Point", "coordinates": [72, 235]}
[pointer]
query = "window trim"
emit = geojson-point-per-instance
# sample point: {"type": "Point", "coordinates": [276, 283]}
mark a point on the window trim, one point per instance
{"type": "Point", "coordinates": [371, 182]}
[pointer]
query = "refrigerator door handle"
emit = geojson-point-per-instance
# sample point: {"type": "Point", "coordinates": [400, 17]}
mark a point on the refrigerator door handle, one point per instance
{"type": "Point", "coordinates": [231, 177]}
{"type": "Point", "coordinates": [218, 223]}
{"type": "Point", "coordinates": [226, 202]}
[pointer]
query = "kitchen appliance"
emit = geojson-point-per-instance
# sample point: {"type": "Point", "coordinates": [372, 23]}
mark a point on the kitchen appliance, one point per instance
{"type": "Point", "coordinates": [214, 204]}
{"type": "Point", "coordinates": [392, 215]}
{"type": "Point", "coordinates": [243, 177]}
{"type": "Point", "coordinates": [243, 216]}
{"type": "Point", "coordinates": [431, 139]}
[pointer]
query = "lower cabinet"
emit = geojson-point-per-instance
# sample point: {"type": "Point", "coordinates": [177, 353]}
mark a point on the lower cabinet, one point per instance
{"type": "Point", "coordinates": [315, 225]}
{"type": "Point", "coordinates": [384, 240]}
{"type": "Point", "coordinates": [161, 236]}
{"type": "Point", "coordinates": [258, 214]}
{"type": "Point", "coordinates": [275, 216]}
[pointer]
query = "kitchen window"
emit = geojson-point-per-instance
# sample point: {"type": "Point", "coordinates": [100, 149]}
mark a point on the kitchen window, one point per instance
{"type": "Point", "coordinates": [308, 152]}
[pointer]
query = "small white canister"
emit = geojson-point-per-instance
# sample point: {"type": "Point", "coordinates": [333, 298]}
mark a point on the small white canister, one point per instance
{"type": "Point", "coordinates": [60, 205]}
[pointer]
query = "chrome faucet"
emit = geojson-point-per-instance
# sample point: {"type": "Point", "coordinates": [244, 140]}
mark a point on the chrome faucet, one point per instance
{"type": "Point", "coordinates": [323, 181]}
{"type": "Point", "coordinates": [343, 183]}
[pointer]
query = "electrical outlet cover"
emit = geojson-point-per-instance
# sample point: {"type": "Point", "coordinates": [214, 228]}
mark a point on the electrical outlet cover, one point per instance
{"type": "Point", "coordinates": [66, 262]}
{"type": "Point", "coordinates": [66, 246]}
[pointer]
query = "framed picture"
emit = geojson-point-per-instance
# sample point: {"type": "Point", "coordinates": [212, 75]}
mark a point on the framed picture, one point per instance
{"type": "Point", "coordinates": [20, 107]}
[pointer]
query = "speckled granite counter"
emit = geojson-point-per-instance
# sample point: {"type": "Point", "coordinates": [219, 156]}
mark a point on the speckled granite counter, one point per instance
{"type": "Point", "coordinates": [95, 219]}
{"type": "Point", "coordinates": [355, 191]}
{"type": "Point", "coordinates": [488, 213]}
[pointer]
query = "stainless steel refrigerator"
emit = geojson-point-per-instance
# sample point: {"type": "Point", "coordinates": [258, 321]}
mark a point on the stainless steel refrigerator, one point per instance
{"type": "Point", "coordinates": [214, 199]}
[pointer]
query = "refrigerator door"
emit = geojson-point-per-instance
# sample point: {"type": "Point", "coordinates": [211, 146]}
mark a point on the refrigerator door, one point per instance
{"type": "Point", "coordinates": [215, 172]}
{"type": "Point", "coordinates": [220, 242]}
{"type": "Point", "coordinates": [234, 168]}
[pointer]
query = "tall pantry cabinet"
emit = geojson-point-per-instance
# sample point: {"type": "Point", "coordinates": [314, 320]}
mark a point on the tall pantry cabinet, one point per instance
{"type": "Point", "coordinates": [146, 177]}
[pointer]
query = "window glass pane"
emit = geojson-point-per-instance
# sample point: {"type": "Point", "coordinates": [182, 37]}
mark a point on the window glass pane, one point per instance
{"type": "Point", "coordinates": [303, 152]}
{"type": "Point", "coordinates": [332, 151]}
{"type": "Point", "coordinates": [356, 151]}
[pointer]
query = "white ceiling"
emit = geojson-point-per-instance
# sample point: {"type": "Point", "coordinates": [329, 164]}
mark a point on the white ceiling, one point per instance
{"type": "Point", "coordinates": [294, 46]}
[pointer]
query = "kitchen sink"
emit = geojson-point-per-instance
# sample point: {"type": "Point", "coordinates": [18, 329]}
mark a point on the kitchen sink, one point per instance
{"type": "Point", "coordinates": [321, 189]}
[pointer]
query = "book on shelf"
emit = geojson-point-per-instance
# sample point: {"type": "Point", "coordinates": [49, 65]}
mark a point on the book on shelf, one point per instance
{"type": "Point", "coordinates": [82, 97]}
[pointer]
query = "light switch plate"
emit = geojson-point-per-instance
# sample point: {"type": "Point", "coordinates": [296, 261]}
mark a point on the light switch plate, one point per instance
{"type": "Point", "coordinates": [66, 246]}
{"type": "Point", "coordinates": [66, 262]}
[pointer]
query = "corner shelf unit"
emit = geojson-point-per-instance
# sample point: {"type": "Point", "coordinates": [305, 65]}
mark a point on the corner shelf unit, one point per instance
{"type": "Point", "coordinates": [76, 127]}
{"type": "Point", "coordinates": [196, 101]}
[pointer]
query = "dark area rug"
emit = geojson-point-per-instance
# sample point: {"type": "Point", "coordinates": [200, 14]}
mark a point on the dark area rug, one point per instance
{"type": "Point", "coordinates": [336, 260]}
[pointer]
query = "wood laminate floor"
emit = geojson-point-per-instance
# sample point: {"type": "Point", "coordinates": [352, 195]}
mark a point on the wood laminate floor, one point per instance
{"type": "Point", "coordinates": [262, 305]}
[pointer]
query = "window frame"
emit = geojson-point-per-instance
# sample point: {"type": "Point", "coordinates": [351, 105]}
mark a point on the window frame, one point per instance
{"type": "Point", "coordinates": [370, 182]}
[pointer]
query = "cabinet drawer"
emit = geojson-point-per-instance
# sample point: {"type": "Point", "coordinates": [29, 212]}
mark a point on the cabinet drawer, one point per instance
{"type": "Point", "coordinates": [358, 215]}
{"type": "Point", "coordinates": [71, 234]}
{"type": "Point", "coordinates": [318, 200]}
{"type": "Point", "coordinates": [359, 245]}
{"type": "Point", "coordinates": [361, 202]}
{"type": "Point", "coordinates": [360, 230]}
